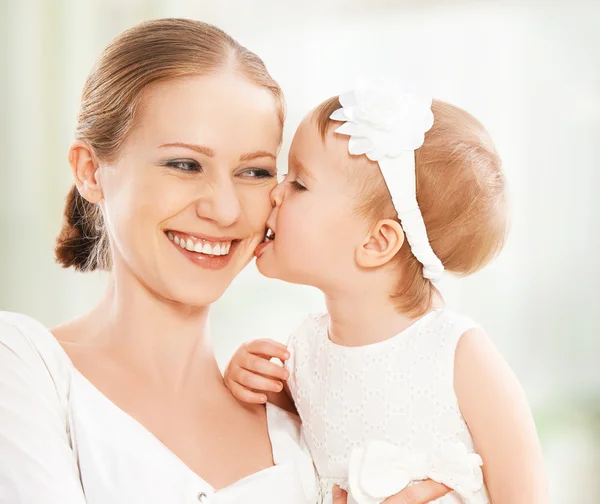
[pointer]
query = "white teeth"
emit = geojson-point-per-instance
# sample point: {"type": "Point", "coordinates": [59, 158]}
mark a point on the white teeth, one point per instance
{"type": "Point", "coordinates": [218, 249]}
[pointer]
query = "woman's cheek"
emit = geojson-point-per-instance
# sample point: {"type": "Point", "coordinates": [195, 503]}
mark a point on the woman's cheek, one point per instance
{"type": "Point", "coordinates": [258, 207]}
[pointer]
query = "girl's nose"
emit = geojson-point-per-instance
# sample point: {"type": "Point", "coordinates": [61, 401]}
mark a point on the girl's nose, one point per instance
{"type": "Point", "coordinates": [277, 195]}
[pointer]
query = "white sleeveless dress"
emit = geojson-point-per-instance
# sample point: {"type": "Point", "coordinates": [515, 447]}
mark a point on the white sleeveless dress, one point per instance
{"type": "Point", "coordinates": [63, 442]}
{"type": "Point", "coordinates": [380, 416]}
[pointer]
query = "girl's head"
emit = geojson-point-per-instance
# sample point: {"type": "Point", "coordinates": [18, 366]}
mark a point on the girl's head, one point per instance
{"type": "Point", "coordinates": [174, 160]}
{"type": "Point", "coordinates": [336, 227]}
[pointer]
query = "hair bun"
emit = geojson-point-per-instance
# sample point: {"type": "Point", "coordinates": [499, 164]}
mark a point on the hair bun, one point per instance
{"type": "Point", "coordinates": [81, 241]}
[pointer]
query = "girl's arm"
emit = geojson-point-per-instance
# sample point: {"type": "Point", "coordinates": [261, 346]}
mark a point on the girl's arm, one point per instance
{"type": "Point", "coordinates": [497, 414]}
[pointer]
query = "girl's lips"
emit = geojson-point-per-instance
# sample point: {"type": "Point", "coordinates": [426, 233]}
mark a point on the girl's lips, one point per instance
{"type": "Point", "coordinates": [258, 251]}
{"type": "Point", "coordinates": [269, 237]}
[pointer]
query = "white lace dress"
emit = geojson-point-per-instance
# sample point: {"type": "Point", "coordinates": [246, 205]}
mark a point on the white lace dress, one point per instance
{"type": "Point", "coordinates": [380, 416]}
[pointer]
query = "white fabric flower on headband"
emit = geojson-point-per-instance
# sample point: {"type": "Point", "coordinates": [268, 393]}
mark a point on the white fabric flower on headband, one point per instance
{"type": "Point", "coordinates": [383, 120]}
{"type": "Point", "coordinates": [387, 124]}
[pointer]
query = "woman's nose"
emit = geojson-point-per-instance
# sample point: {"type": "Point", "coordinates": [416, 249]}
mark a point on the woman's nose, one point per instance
{"type": "Point", "coordinates": [223, 206]}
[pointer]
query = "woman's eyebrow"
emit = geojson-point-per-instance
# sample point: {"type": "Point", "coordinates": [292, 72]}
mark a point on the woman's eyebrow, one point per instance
{"type": "Point", "coordinates": [207, 151]}
{"type": "Point", "coordinates": [258, 154]}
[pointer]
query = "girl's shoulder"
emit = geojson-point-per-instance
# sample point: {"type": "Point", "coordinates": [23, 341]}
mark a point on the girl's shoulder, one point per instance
{"type": "Point", "coordinates": [446, 324]}
{"type": "Point", "coordinates": [436, 337]}
{"type": "Point", "coordinates": [313, 326]}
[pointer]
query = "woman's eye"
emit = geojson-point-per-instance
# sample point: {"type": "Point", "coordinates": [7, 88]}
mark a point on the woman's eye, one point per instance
{"type": "Point", "coordinates": [258, 173]}
{"type": "Point", "coordinates": [297, 186]}
{"type": "Point", "coordinates": [186, 165]}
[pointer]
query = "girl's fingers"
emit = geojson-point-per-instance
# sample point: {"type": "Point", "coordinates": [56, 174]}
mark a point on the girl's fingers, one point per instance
{"type": "Point", "coordinates": [263, 367]}
{"type": "Point", "coordinates": [268, 348]}
{"type": "Point", "coordinates": [248, 396]}
{"type": "Point", "coordinates": [339, 496]}
{"type": "Point", "coordinates": [255, 381]}
{"type": "Point", "coordinates": [421, 493]}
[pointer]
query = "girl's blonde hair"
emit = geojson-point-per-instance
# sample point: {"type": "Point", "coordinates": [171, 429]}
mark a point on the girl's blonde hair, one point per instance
{"type": "Point", "coordinates": [152, 52]}
{"type": "Point", "coordinates": [461, 193]}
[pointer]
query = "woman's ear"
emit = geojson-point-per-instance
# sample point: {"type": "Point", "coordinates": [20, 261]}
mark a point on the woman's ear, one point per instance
{"type": "Point", "coordinates": [85, 168]}
{"type": "Point", "coordinates": [381, 245]}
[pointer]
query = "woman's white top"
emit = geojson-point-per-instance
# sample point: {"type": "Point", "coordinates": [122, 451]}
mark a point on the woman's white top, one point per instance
{"type": "Point", "coordinates": [380, 416]}
{"type": "Point", "coordinates": [63, 442]}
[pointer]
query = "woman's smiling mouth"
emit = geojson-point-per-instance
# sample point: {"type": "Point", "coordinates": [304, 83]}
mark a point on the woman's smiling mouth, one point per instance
{"type": "Point", "coordinates": [208, 252]}
{"type": "Point", "coordinates": [211, 247]}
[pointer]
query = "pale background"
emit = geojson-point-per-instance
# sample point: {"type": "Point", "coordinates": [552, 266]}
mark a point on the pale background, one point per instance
{"type": "Point", "coordinates": [530, 71]}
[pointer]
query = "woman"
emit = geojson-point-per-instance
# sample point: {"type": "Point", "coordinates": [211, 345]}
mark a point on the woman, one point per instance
{"type": "Point", "coordinates": [174, 161]}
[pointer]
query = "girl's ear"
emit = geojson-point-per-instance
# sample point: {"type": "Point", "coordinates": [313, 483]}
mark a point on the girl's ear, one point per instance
{"type": "Point", "coordinates": [381, 245]}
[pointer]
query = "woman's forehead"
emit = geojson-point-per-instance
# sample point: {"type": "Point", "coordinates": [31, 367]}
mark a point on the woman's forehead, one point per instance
{"type": "Point", "coordinates": [222, 112]}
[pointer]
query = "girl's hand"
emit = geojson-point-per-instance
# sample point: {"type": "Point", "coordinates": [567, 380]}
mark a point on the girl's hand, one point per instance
{"type": "Point", "coordinates": [250, 374]}
{"type": "Point", "coordinates": [421, 493]}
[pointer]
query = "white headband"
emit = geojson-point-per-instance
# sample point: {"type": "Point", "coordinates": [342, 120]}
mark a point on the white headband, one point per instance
{"type": "Point", "coordinates": [388, 124]}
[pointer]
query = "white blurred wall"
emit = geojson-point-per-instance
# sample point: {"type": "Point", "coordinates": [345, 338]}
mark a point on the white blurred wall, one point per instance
{"type": "Point", "coordinates": [530, 71]}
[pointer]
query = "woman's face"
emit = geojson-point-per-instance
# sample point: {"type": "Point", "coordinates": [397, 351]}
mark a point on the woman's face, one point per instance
{"type": "Point", "coordinates": [185, 204]}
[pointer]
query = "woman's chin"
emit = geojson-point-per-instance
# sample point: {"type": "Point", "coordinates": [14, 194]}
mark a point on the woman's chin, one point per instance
{"type": "Point", "coordinates": [193, 291]}
{"type": "Point", "coordinates": [194, 299]}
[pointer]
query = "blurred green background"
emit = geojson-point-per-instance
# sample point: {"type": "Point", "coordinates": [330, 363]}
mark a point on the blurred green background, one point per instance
{"type": "Point", "coordinates": [529, 70]}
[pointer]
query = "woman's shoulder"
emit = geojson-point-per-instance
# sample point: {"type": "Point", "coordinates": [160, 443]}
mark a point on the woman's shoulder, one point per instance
{"type": "Point", "coordinates": [27, 334]}
{"type": "Point", "coordinates": [34, 415]}
{"type": "Point", "coordinates": [289, 447]}
{"type": "Point", "coordinates": [20, 322]}
{"type": "Point", "coordinates": [28, 348]}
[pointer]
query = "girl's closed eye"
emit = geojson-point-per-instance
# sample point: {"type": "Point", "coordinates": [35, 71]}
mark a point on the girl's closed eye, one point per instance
{"type": "Point", "coordinates": [297, 186]}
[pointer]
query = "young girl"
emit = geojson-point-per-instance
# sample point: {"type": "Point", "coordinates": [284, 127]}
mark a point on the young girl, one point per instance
{"type": "Point", "coordinates": [385, 191]}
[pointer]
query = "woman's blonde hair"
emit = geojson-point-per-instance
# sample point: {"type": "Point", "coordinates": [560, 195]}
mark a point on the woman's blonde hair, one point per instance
{"type": "Point", "coordinates": [461, 194]}
{"type": "Point", "coordinates": [148, 53]}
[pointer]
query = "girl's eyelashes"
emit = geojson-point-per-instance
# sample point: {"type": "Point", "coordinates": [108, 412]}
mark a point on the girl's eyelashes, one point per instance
{"type": "Point", "coordinates": [184, 165]}
{"type": "Point", "coordinates": [297, 186]}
